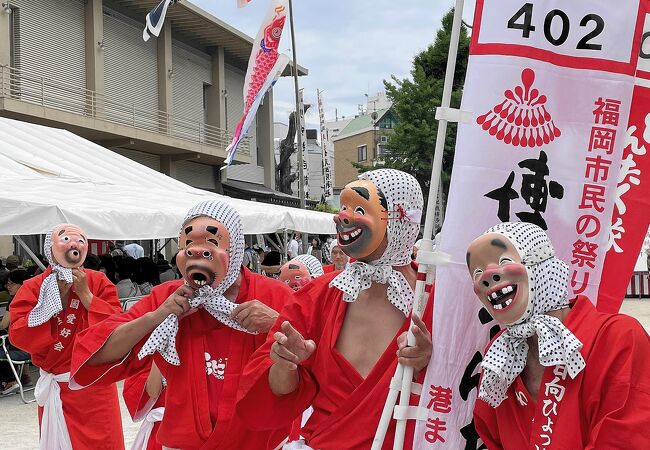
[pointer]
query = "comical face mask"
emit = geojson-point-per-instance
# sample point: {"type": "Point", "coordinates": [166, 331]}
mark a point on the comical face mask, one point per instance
{"type": "Point", "coordinates": [295, 274]}
{"type": "Point", "coordinates": [362, 222]}
{"type": "Point", "coordinates": [500, 279]}
{"type": "Point", "coordinates": [203, 257]}
{"type": "Point", "coordinates": [69, 246]}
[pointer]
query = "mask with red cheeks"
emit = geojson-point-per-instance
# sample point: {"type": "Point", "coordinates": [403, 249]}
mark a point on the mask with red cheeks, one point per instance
{"type": "Point", "coordinates": [500, 279]}
{"type": "Point", "coordinates": [362, 222]}
{"type": "Point", "coordinates": [69, 246]}
{"type": "Point", "coordinates": [203, 255]}
{"type": "Point", "coordinates": [295, 274]}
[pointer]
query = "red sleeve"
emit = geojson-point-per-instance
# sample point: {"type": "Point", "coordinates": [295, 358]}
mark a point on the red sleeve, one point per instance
{"type": "Point", "coordinates": [105, 301]}
{"type": "Point", "coordinates": [257, 405]}
{"type": "Point", "coordinates": [92, 339]}
{"type": "Point", "coordinates": [136, 398]}
{"type": "Point", "coordinates": [30, 339]}
{"type": "Point", "coordinates": [619, 387]}
{"type": "Point", "coordinates": [485, 422]}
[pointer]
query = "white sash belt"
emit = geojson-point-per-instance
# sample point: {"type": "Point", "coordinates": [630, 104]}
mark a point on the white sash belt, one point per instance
{"type": "Point", "coordinates": [296, 445]}
{"type": "Point", "coordinates": [144, 433]}
{"type": "Point", "coordinates": [54, 431]}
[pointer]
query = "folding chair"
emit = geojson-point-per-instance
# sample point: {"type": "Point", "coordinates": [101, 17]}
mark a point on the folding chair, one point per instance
{"type": "Point", "coordinates": [17, 367]}
{"type": "Point", "coordinates": [127, 302]}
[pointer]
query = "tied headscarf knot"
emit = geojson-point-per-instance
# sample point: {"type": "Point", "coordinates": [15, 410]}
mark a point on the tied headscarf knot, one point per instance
{"type": "Point", "coordinates": [163, 337]}
{"type": "Point", "coordinates": [49, 301]}
{"type": "Point", "coordinates": [548, 291]}
{"type": "Point", "coordinates": [360, 276]}
{"type": "Point", "coordinates": [404, 199]}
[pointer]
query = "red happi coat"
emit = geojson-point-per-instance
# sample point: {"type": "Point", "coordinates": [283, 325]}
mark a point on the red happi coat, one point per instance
{"type": "Point", "coordinates": [93, 417]}
{"type": "Point", "coordinates": [200, 393]}
{"type": "Point", "coordinates": [346, 406]}
{"type": "Point", "coordinates": [605, 407]}
{"type": "Point", "coordinates": [139, 403]}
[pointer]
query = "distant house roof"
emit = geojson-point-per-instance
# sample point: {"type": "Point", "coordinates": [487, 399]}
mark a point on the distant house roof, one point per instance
{"type": "Point", "coordinates": [360, 124]}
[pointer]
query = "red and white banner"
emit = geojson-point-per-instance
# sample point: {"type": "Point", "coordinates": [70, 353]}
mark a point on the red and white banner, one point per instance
{"type": "Point", "coordinates": [549, 86]}
{"type": "Point", "coordinates": [631, 217]}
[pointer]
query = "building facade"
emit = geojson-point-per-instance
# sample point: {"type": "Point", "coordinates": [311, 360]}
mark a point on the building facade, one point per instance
{"type": "Point", "coordinates": [363, 141]}
{"type": "Point", "coordinates": [170, 103]}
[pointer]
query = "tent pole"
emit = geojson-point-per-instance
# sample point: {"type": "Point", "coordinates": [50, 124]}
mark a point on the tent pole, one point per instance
{"type": "Point", "coordinates": [30, 252]}
{"type": "Point", "coordinates": [285, 244]}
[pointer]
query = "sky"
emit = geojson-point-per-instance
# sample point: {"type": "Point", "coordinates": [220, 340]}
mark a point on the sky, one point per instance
{"type": "Point", "coordinates": [348, 46]}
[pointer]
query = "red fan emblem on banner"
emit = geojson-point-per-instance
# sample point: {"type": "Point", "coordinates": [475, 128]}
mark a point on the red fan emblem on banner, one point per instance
{"type": "Point", "coordinates": [521, 119]}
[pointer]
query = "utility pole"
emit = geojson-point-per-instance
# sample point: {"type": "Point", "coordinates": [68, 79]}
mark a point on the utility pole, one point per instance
{"type": "Point", "coordinates": [301, 179]}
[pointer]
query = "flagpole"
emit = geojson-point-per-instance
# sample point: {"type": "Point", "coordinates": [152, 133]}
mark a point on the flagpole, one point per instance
{"type": "Point", "coordinates": [426, 257]}
{"type": "Point", "coordinates": [301, 179]}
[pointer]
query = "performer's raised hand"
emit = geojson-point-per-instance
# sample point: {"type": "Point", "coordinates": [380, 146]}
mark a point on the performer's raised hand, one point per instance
{"type": "Point", "coordinates": [290, 348]}
{"type": "Point", "coordinates": [80, 284]}
{"type": "Point", "coordinates": [419, 355]}
{"type": "Point", "coordinates": [255, 316]}
{"type": "Point", "coordinates": [178, 303]}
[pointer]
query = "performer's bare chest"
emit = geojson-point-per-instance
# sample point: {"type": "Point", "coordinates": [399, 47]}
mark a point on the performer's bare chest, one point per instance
{"type": "Point", "coordinates": [369, 326]}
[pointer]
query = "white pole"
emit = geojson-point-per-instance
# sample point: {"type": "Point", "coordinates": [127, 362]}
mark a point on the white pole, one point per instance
{"type": "Point", "coordinates": [421, 296]}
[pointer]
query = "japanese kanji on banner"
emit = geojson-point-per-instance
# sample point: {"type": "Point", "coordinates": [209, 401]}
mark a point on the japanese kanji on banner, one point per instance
{"type": "Point", "coordinates": [631, 217]}
{"type": "Point", "coordinates": [549, 86]}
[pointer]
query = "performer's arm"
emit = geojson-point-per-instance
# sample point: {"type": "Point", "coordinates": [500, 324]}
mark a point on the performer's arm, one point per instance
{"type": "Point", "coordinates": [29, 339]}
{"type": "Point", "coordinates": [619, 389]}
{"type": "Point", "coordinates": [287, 352]}
{"type": "Point", "coordinates": [124, 338]}
{"type": "Point", "coordinates": [154, 385]}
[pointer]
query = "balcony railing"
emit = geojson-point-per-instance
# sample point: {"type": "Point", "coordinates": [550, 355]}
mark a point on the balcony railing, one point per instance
{"type": "Point", "coordinates": [26, 87]}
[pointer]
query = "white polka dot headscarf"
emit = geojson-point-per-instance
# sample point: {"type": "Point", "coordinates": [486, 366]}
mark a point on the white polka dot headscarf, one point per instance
{"type": "Point", "coordinates": [163, 338]}
{"type": "Point", "coordinates": [548, 291]}
{"type": "Point", "coordinates": [404, 198]}
{"type": "Point", "coordinates": [49, 298]}
{"type": "Point", "coordinates": [312, 263]}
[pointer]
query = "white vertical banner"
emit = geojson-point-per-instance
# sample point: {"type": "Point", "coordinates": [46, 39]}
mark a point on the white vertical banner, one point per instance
{"type": "Point", "coordinates": [303, 134]}
{"type": "Point", "coordinates": [549, 86]}
{"type": "Point", "coordinates": [328, 189]}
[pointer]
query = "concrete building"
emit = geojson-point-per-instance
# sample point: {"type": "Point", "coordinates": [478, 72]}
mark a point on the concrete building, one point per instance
{"type": "Point", "coordinates": [170, 103]}
{"type": "Point", "coordinates": [363, 141]}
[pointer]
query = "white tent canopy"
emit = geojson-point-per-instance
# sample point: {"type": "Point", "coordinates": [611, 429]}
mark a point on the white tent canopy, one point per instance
{"type": "Point", "coordinates": [51, 176]}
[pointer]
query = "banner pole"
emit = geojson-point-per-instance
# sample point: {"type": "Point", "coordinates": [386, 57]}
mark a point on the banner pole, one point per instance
{"type": "Point", "coordinates": [425, 258]}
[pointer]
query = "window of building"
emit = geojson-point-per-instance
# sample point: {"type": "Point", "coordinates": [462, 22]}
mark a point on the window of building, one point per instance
{"type": "Point", "coordinates": [383, 139]}
{"type": "Point", "coordinates": [362, 152]}
{"type": "Point", "coordinates": [206, 90]}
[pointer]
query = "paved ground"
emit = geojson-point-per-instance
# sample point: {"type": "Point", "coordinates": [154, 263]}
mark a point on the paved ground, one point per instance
{"type": "Point", "coordinates": [19, 422]}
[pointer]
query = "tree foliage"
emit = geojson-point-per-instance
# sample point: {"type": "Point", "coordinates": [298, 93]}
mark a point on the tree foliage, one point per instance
{"type": "Point", "coordinates": [411, 147]}
{"type": "Point", "coordinates": [325, 207]}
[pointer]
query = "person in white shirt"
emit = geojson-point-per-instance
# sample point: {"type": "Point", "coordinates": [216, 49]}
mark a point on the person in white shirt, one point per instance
{"type": "Point", "coordinates": [295, 245]}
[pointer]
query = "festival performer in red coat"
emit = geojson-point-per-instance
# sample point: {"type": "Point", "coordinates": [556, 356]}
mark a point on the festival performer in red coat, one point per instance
{"type": "Point", "coordinates": [561, 375]}
{"type": "Point", "coordinates": [47, 314]}
{"type": "Point", "coordinates": [299, 271]}
{"type": "Point", "coordinates": [199, 331]}
{"type": "Point", "coordinates": [337, 345]}
{"type": "Point", "coordinates": [144, 396]}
